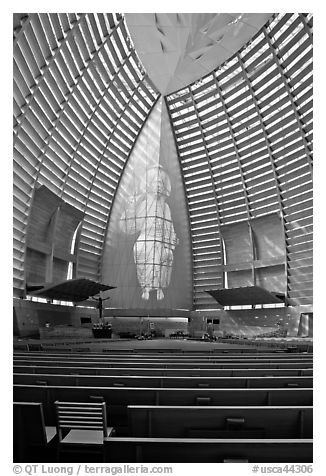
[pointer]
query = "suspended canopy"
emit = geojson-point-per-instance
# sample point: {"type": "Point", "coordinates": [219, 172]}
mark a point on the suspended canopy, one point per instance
{"type": "Point", "coordinates": [74, 290]}
{"type": "Point", "coordinates": [246, 295]}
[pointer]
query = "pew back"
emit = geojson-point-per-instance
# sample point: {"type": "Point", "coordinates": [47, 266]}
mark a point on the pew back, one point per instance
{"type": "Point", "coordinates": [209, 450]}
{"type": "Point", "coordinates": [220, 422]}
{"type": "Point", "coordinates": [232, 372]}
{"type": "Point", "coordinates": [164, 382]}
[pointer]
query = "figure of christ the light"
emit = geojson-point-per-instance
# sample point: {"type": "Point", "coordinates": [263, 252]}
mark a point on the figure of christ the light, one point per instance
{"type": "Point", "coordinates": [149, 215]}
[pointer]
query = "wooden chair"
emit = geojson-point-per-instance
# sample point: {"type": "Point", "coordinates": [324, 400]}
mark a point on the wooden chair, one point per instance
{"type": "Point", "coordinates": [31, 436]}
{"type": "Point", "coordinates": [81, 428]}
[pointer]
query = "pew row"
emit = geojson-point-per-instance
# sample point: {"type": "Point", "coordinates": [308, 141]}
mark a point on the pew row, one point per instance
{"type": "Point", "coordinates": [220, 422]}
{"type": "Point", "coordinates": [118, 399]}
{"type": "Point", "coordinates": [163, 357]}
{"type": "Point", "coordinates": [164, 382]}
{"type": "Point", "coordinates": [175, 365]}
{"type": "Point", "coordinates": [209, 450]}
{"type": "Point", "coordinates": [130, 371]}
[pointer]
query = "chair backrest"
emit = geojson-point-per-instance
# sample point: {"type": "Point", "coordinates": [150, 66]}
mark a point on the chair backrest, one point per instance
{"type": "Point", "coordinates": [29, 427]}
{"type": "Point", "coordinates": [81, 416]}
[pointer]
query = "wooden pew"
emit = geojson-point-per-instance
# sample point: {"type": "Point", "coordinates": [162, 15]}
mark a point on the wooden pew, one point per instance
{"type": "Point", "coordinates": [151, 364]}
{"type": "Point", "coordinates": [163, 357]}
{"type": "Point", "coordinates": [233, 372]}
{"type": "Point", "coordinates": [220, 422]}
{"type": "Point", "coordinates": [209, 450]}
{"type": "Point", "coordinates": [169, 396]}
{"type": "Point", "coordinates": [29, 431]}
{"type": "Point", "coordinates": [160, 360]}
{"type": "Point", "coordinates": [118, 399]}
{"type": "Point", "coordinates": [153, 381]}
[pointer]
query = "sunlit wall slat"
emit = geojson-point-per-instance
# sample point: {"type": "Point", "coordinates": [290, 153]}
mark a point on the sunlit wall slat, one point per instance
{"type": "Point", "coordinates": [82, 98]}
{"type": "Point", "coordinates": [252, 125]}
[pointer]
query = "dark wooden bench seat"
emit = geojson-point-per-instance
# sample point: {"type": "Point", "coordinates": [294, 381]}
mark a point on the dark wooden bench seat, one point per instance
{"type": "Point", "coordinates": [196, 450]}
